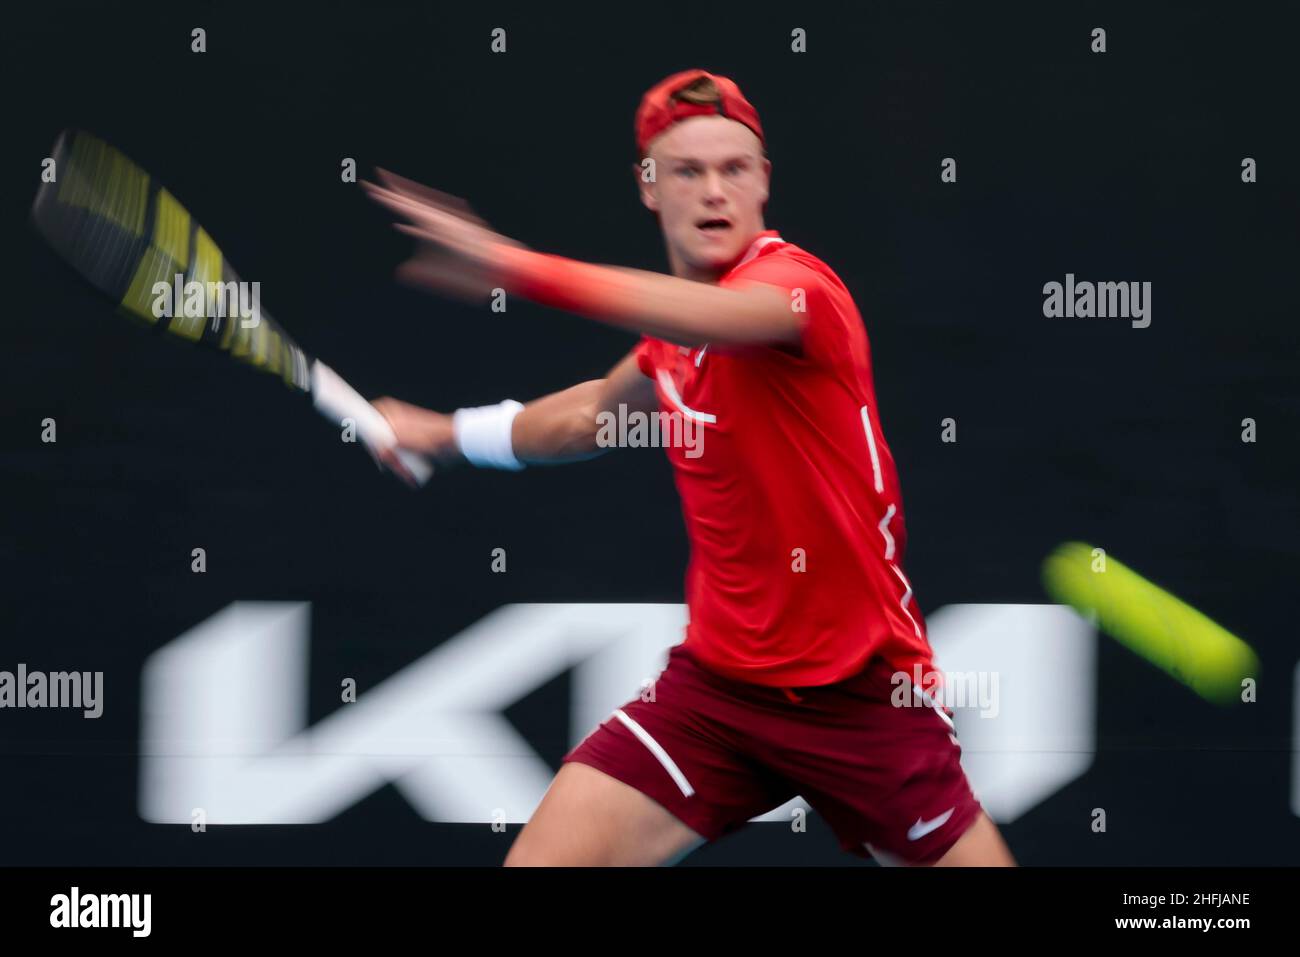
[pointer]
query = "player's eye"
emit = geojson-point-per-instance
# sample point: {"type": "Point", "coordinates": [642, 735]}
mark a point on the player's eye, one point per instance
{"type": "Point", "coordinates": [687, 171]}
{"type": "Point", "coordinates": [736, 167]}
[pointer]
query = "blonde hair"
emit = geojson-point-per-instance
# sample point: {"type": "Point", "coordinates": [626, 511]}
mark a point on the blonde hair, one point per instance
{"type": "Point", "coordinates": [701, 92]}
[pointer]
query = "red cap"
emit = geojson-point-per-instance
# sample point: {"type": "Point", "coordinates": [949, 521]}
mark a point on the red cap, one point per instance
{"type": "Point", "coordinates": [659, 110]}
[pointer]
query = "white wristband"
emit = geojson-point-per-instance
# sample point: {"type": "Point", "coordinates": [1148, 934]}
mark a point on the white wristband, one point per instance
{"type": "Point", "coordinates": [483, 434]}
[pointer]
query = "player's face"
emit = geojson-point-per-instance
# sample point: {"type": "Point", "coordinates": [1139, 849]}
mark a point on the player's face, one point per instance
{"type": "Point", "coordinates": [711, 181]}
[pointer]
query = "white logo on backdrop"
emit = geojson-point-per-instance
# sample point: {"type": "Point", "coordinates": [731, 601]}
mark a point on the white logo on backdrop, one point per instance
{"type": "Point", "coordinates": [224, 721]}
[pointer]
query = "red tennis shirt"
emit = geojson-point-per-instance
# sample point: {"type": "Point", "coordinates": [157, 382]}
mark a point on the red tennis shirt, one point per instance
{"type": "Point", "coordinates": [791, 498]}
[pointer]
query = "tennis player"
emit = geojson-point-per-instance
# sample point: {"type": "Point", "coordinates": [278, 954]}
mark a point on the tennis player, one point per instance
{"type": "Point", "coordinates": [795, 674]}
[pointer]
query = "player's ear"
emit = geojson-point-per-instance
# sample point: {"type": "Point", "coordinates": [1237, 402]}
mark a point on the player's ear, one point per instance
{"type": "Point", "coordinates": [766, 166]}
{"type": "Point", "coordinates": [645, 182]}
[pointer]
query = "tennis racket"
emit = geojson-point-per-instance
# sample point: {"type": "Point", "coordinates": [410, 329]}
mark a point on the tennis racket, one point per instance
{"type": "Point", "coordinates": [125, 233]}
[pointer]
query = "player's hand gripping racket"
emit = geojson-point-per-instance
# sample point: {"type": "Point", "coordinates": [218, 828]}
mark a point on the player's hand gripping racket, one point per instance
{"type": "Point", "coordinates": [120, 229]}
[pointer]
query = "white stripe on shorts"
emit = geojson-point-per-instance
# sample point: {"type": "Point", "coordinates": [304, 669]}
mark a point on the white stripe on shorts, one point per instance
{"type": "Point", "coordinates": [660, 754]}
{"type": "Point", "coordinates": [929, 699]}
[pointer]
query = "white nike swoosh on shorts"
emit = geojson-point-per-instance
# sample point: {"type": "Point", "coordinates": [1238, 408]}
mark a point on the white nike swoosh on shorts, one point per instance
{"type": "Point", "coordinates": [921, 828]}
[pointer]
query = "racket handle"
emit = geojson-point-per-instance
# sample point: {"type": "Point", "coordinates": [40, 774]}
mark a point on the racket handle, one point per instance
{"type": "Point", "coordinates": [336, 400]}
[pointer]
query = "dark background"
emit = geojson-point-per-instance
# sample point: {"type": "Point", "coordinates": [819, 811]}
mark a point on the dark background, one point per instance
{"type": "Point", "coordinates": [1120, 166]}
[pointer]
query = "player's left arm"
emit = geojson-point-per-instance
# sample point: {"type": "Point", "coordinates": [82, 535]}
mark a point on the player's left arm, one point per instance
{"type": "Point", "coordinates": [666, 307]}
{"type": "Point", "coordinates": [677, 310]}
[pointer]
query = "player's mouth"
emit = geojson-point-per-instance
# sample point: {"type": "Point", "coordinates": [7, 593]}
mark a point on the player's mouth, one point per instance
{"type": "Point", "coordinates": [717, 226]}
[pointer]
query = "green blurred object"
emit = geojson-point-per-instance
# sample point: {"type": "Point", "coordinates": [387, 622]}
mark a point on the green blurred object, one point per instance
{"type": "Point", "coordinates": [1150, 622]}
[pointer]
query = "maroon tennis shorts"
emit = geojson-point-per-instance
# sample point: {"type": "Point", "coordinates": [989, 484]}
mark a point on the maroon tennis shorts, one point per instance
{"type": "Point", "coordinates": [716, 752]}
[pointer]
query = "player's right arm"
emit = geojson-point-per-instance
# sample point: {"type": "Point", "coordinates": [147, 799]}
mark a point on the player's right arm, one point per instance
{"type": "Point", "coordinates": [551, 430]}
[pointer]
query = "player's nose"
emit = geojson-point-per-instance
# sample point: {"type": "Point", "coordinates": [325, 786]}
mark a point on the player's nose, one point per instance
{"type": "Point", "coordinates": [713, 192]}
